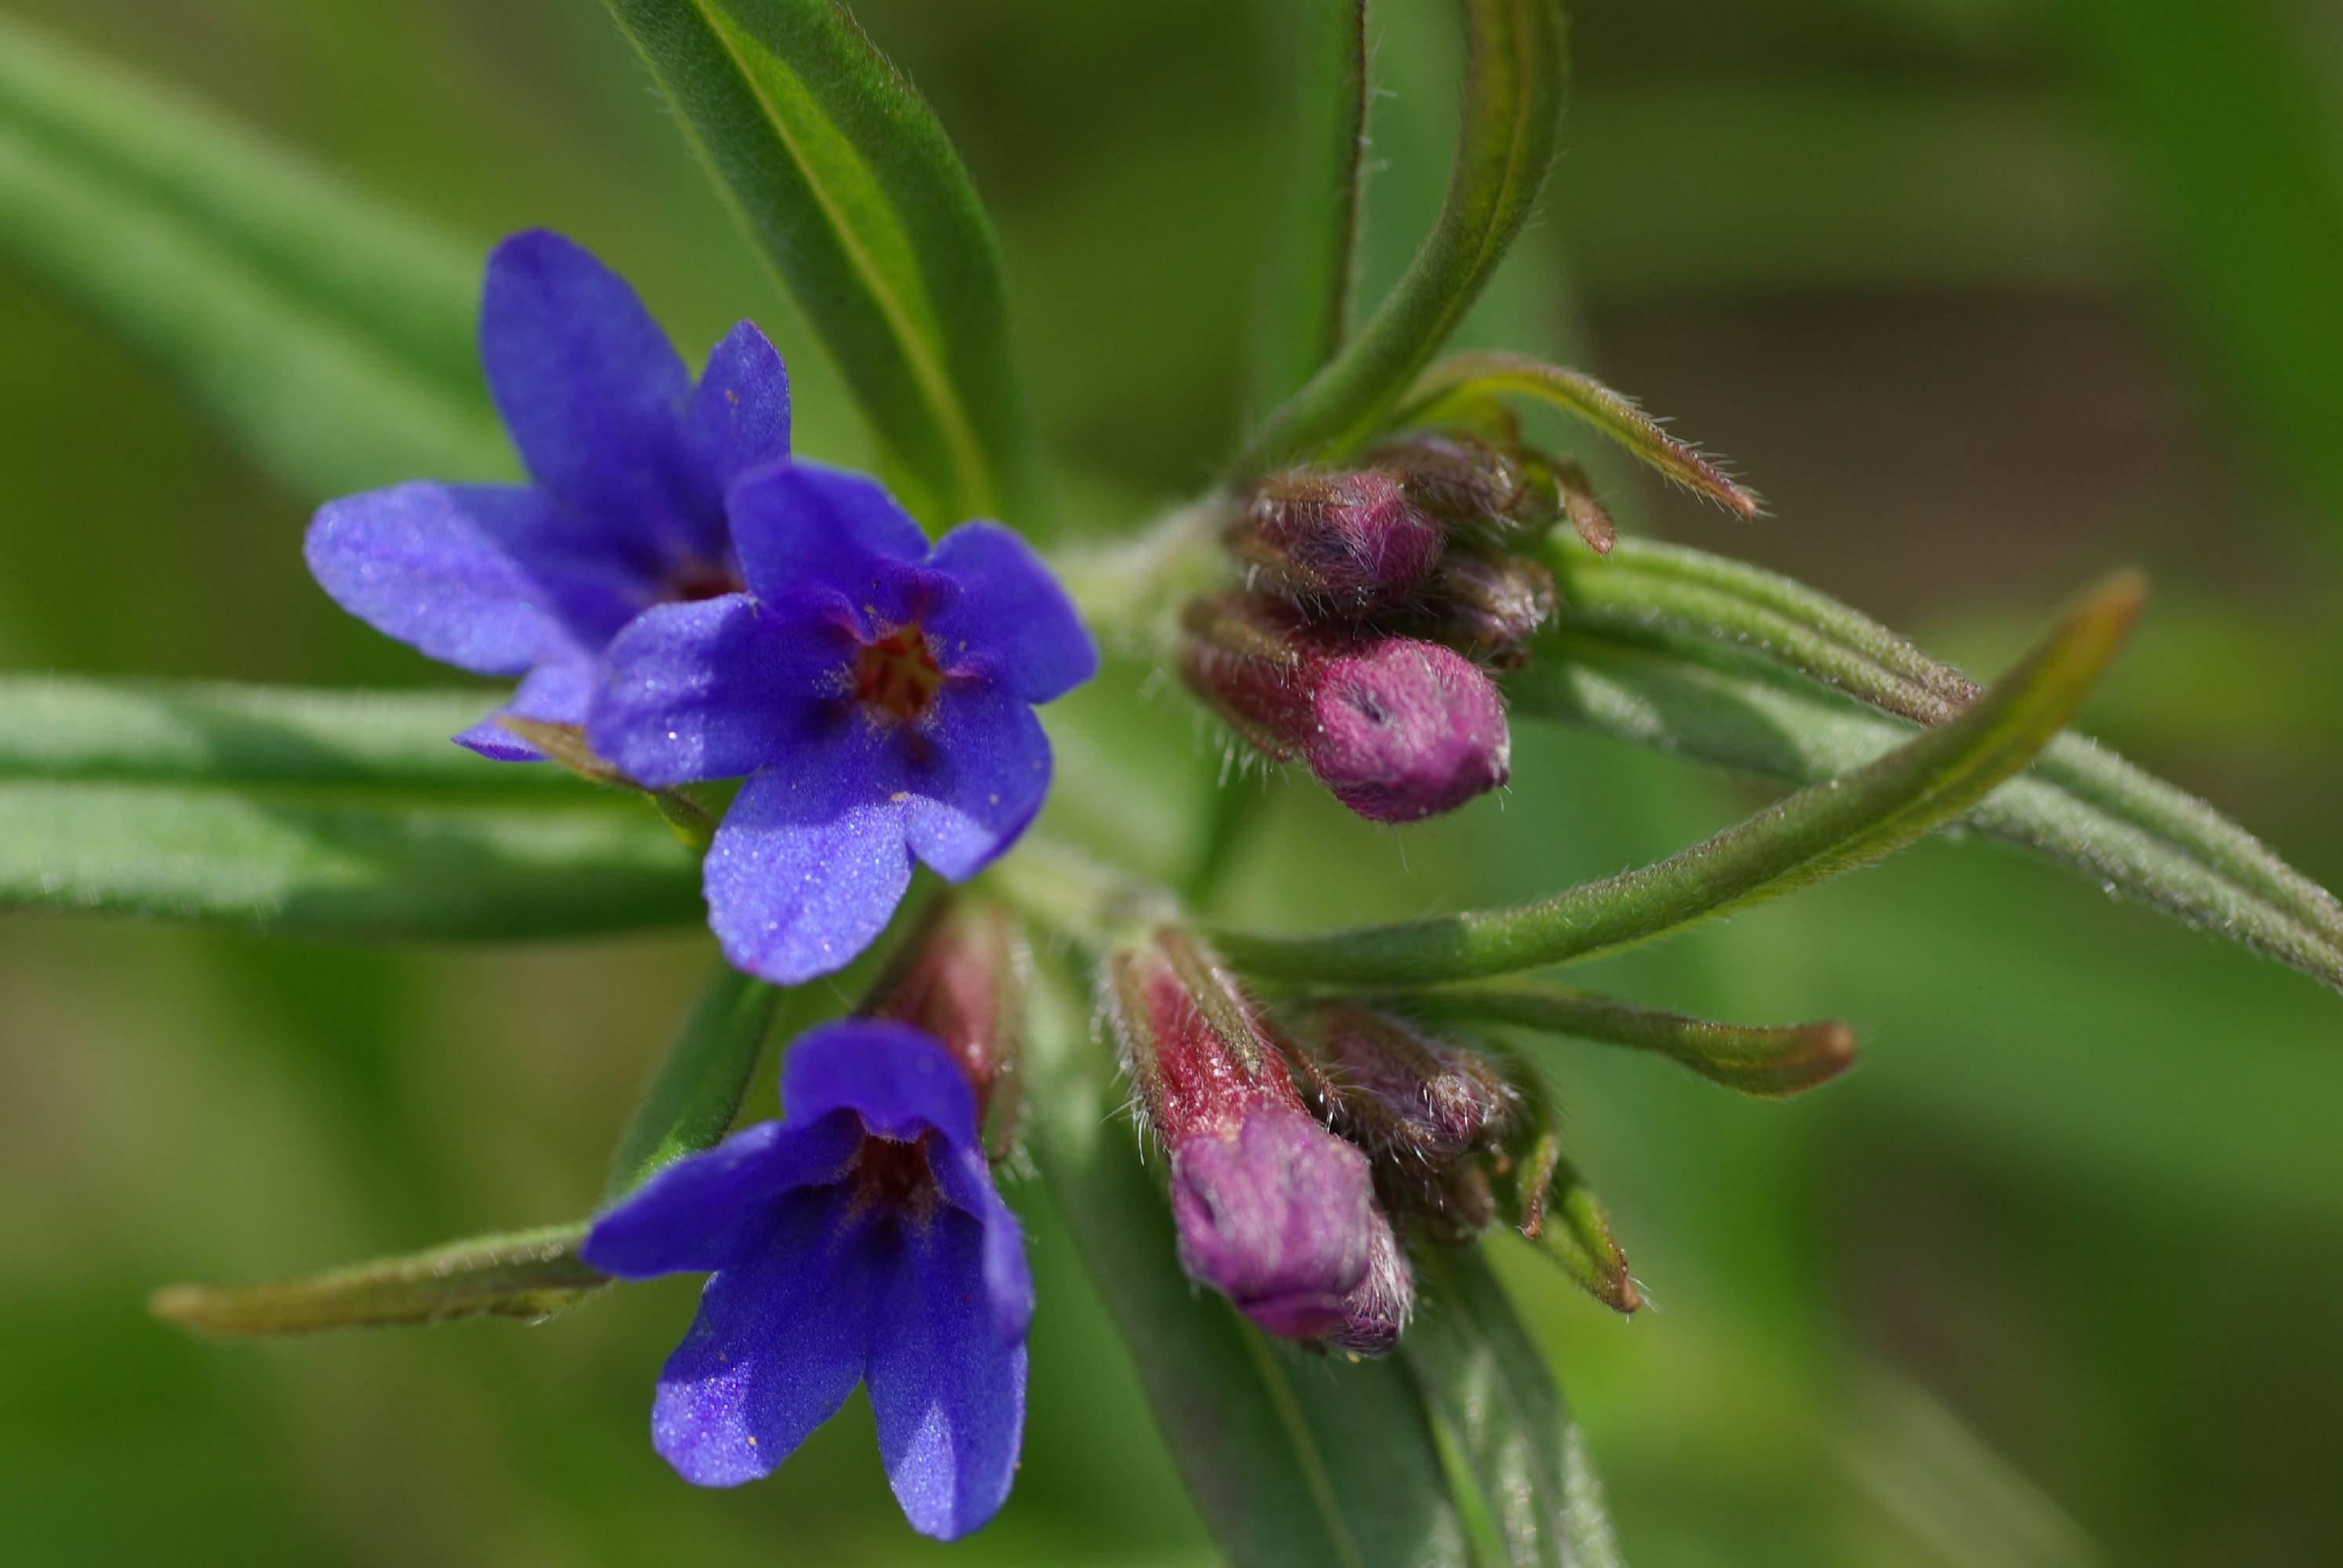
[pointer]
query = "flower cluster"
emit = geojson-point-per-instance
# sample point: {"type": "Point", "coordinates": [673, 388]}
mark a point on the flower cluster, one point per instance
{"type": "Point", "coordinates": [704, 607]}
{"type": "Point", "coordinates": [1306, 1155]}
{"type": "Point", "coordinates": [1374, 602]}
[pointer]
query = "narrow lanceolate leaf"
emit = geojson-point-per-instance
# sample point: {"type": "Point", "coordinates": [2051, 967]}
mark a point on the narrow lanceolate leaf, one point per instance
{"type": "Point", "coordinates": [1304, 308]}
{"type": "Point", "coordinates": [329, 337]}
{"type": "Point", "coordinates": [66, 728]}
{"type": "Point", "coordinates": [691, 1104]}
{"type": "Point", "coordinates": [343, 864]}
{"type": "Point", "coordinates": [1466, 381]}
{"type": "Point", "coordinates": [1844, 822]}
{"type": "Point", "coordinates": [1513, 74]}
{"type": "Point", "coordinates": [1770, 1062]}
{"type": "Point", "coordinates": [525, 1274]}
{"type": "Point", "coordinates": [845, 179]}
{"type": "Point", "coordinates": [1291, 1460]}
{"type": "Point", "coordinates": [314, 813]}
{"type": "Point", "coordinates": [1715, 657]}
{"type": "Point", "coordinates": [1484, 1375]}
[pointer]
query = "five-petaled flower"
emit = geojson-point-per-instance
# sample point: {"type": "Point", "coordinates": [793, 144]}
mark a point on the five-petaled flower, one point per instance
{"type": "Point", "coordinates": [629, 461]}
{"type": "Point", "coordinates": [861, 1239]}
{"type": "Point", "coordinates": [877, 694]}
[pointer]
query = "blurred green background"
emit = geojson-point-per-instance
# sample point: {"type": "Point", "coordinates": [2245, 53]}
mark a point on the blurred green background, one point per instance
{"type": "Point", "coordinates": [1985, 295]}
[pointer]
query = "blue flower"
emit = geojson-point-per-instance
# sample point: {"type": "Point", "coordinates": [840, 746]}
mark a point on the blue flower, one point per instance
{"type": "Point", "coordinates": [629, 461]}
{"type": "Point", "coordinates": [859, 1240]}
{"type": "Point", "coordinates": [876, 694]}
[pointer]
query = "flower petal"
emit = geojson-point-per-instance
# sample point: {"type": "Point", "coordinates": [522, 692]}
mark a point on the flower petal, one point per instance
{"type": "Point", "coordinates": [899, 1079]}
{"type": "Point", "coordinates": [589, 388]}
{"type": "Point", "coordinates": [713, 690]}
{"type": "Point", "coordinates": [715, 1209]}
{"type": "Point", "coordinates": [781, 1341]}
{"type": "Point", "coordinates": [806, 869]}
{"type": "Point", "coordinates": [1008, 1281]}
{"type": "Point", "coordinates": [948, 1392]}
{"type": "Point", "coordinates": [979, 780]}
{"type": "Point", "coordinates": [1007, 619]}
{"type": "Point", "coordinates": [805, 530]}
{"type": "Point", "coordinates": [739, 413]}
{"type": "Point", "coordinates": [490, 578]}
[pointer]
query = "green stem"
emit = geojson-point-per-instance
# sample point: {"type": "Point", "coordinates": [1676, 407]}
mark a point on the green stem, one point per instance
{"type": "Point", "coordinates": [1513, 74]}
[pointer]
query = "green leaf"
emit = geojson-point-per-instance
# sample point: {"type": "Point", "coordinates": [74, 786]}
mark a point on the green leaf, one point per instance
{"type": "Point", "coordinates": [313, 813]}
{"type": "Point", "coordinates": [1303, 310]}
{"type": "Point", "coordinates": [1466, 380]}
{"type": "Point", "coordinates": [1481, 1371]}
{"type": "Point", "coordinates": [1514, 72]}
{"type": "Point", "coordinates": [1714, 657]}
{"type": "Point", "coordinates": [342, 865]}
{"type": "Point", "coordinates": [122, 731]}
{"type": "Point", "coordinates": [841, 174]}
{"type": "Point", "coordinates": [1291, 1461]}
{"type": "Point", "coordinates": [1770, 1062]}
{"type": "Point", "coordinates": [691, 1104]}
{"type": "Point", "coordinates": [1834, 826]}
{"type": "Point", "coordinates": [525, 1274]}
{"type": "Point", "coordinates": [329, 335]}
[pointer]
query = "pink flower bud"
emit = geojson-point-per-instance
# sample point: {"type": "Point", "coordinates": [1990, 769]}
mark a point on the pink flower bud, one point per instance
{"type": "Point", "coordinates": [1273, 1210]}
{"type": "Point", "coordinates": [1485, 606]}
{"type": "Point", "coordinates": [1375, 1313]}
{"type": "Point", "coordinates": [1398, 1091]}
{"type": "Point", "coordinates": [1345, 541]}
{"type": "Point", "coordinates": [960, 977]}
{"type": "Point", "coordinates": [1397, 728]}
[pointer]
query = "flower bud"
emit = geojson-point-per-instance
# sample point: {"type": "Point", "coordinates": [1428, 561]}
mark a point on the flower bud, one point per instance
{"type": "Point", "coordinates": [1273, 1210]}
{"type": "Point", "coordinates": [1375, 1313]}
{"type": "Point", "coordinates": [960, 977]}
{"type": "Point", "coordinates": [1448, 1206]}
{"type": "Point", "coordinates": [1344, 540]}
{"type": "Point", "coordinates": [1397, 1091]}
{"type": "Point", "coordinates": [1459, 478]}
{"type": "Point", "coordinates": [1485, 606]}
{"type": "Point", "coordinates": [1397, 728]}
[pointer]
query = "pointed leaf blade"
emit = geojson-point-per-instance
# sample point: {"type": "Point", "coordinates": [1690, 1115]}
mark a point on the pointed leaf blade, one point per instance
{"type": "Point", "coordinates": [842, 175]}
{"type": "Point", "coordinates": [1726, 661]}
{"type": "Point", "coordinates": [1468, 380]}
{"type": "Point", "coordinates": [313, 813]}
{"type": "Point", "coordinates": [529, 1274]}
{"type": "Point", "coordinates": [1834, 826]}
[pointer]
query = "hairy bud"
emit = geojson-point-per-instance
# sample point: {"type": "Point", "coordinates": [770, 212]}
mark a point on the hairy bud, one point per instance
{"type": "Point", "coordinates": [960, 977]}
{"type": "Point", "coordinates": [1485, 606]}
{"type": "Point", "coordinates": [1461, 480]}
{"type": "Point", "coordinates": [1375, 1313]}
{"type": "Point", "coordinates": [1346, 541]}
{"type": "Point", "coordinates": [1397, 1091]}
{"type": "Point", "coordinates": [1448, 1206]}
{"type": "Point", "coordinates": [1398, 728]}
{"type": "Point", "coordinates": [1272, 1208]}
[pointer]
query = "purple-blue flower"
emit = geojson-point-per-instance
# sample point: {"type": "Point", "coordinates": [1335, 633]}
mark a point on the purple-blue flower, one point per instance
{"type": "Point", "coordinates": [877, 695]}
{"type": "Point", "coordinates": [630, 462]}
{"type": "Point", "coordinates": [861, 1241]}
